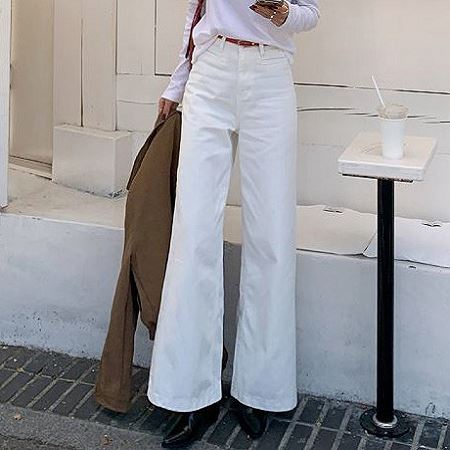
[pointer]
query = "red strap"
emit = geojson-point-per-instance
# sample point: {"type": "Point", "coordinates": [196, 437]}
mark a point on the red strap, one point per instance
{"type": "Point", "coordinates": [195, 20]}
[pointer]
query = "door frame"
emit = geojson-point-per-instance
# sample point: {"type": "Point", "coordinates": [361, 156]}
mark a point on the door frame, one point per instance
{"type": "Point", "coordinates": [5, 84]}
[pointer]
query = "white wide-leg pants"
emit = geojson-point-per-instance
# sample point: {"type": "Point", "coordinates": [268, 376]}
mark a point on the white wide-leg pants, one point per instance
{"type": "Point", "coordinates": [249, 90]}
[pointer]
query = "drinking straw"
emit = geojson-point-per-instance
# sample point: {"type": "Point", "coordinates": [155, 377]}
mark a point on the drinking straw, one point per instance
{"type": "Point", "coordinates": [378, 92]}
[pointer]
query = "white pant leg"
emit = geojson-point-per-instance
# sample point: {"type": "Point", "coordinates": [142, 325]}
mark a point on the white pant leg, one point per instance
{"type": "Point", "coordinates": [185, 372]}
{"type": "Point", "coordinates": [265, 355]}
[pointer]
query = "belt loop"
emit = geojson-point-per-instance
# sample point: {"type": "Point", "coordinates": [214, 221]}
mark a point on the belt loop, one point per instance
{"type": "Point", "coordinates": [261, 50]}
{"type": "Point", "coordinates": [222, 44]}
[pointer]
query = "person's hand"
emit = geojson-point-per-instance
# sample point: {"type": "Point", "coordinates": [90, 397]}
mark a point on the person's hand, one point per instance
{"type": "Point", "coordinates": [276, 14]}
{"type": "Point", "coordinates": [166, 106]}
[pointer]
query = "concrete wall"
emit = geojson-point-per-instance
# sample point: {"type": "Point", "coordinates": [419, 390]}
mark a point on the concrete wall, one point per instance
{"type": "Point", "coordinates": [56, 297]}
{"type": "Point", "coordinates": [58, 279]}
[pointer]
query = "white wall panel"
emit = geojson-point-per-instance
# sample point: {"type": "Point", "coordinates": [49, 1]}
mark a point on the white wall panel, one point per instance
{"type": "Point", "coordinates": [136, 31]}
{"type": "Point", "coordinates": [67, 67]}
{"type": "Point", "coordinates": [99, 64]}
{"type": "Point", "coordinates": [320, 183]}
{"type": "Point", "coordinates": [401, 41]}
{"type": "Point", "coordinates": [333, 116]}
{"type": "Point", "coordinates": [140, 88]}
{"type": "Point", "coordinates": [136, 116]}
{"type": "Point", "coordinates": [170, 20]}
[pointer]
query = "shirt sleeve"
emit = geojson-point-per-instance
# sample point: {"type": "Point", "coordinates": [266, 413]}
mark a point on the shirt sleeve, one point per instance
{"type": "Point", "coordinates": [303, 16]}
{"type": "Point", "coordinates": [175, 89]}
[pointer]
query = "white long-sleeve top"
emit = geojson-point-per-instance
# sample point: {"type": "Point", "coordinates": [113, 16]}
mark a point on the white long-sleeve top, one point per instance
{"type": "Point", "coordinates": [235, 19]}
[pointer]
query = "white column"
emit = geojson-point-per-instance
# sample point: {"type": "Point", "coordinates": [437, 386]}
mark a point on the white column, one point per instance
{"type": "Point", "coordinates": [5, 47]}
{"type": "Point", "coordinates": [89, 153]}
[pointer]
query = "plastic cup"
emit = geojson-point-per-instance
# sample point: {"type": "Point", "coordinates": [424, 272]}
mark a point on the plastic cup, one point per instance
{"type": "Point", "coordinates": [393, 124]}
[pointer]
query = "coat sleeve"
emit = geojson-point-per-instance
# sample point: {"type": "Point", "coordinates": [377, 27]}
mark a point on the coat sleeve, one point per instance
{"type": "Point", "coordinates": [178, 80]}
{"type": "Point", "coordinates": [113, 386]}
{"type": "Point", "coordinates": [303, 16]}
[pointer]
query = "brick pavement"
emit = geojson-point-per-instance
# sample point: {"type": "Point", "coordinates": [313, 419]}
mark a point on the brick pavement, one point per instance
{"type": "Point", "coordinates": [59, 385]}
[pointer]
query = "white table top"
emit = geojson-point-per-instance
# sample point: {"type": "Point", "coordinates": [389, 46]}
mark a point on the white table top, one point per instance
{"type": "Point", "coordinates": [363, 158]}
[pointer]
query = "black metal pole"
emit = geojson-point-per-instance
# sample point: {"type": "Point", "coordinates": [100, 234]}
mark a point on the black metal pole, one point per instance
{"type": "Point", "coordinates": [385, 302]}
{"type": "Point", "coordinates": [383, 420]}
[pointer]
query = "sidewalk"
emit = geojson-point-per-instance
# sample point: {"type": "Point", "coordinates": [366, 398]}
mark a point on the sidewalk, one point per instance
{"type": "Point", "coordinates": [46, 403]}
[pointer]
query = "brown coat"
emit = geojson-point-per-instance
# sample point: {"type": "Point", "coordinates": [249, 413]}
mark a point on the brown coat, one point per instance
{"type": "Point", "coordinates": [148, 223]}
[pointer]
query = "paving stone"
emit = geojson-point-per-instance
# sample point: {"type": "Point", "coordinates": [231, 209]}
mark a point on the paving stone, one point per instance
{"type": "Point", "coordinates": [6, 352]}
{"type": "Point", "coordinates": [400, 446]}
{"type": "Point", "coordinates": [241, 440]}
{"type": "Point", "coordinates": [19, 358]}
{"type": "Point", "coordinates": [430, 434]}
{"type": "Point", "coordinates": [78, 369]}
{"type": "Point", "coordinates": [139, 407]}
{"type": "Point", "coordinates": [11, 388]}
{"type": "Point", "coordinates": [37, 363]}
{"type": "Point", "coordinates": [288, 415]}
{"type": "Point", "coordinates": [223, 429]}
{"type": "Point", "coordinates": [56, 364]}
{"type": "Point", "coordinates": [52, 395]}
{"type": "Point", "coordinates": [409, 436]}
{"type": "Point", "coordinates": [156, 419]}
{"type": "Point", "coordinates": [4, 375]}
{"type": "Point", "coordinates": [354, 425]}
{"type": "Point", "coordinates": [87, 409]}
{"type": "Point", "coordinates": [324, 440]}
{"type": "Point", "coordinates": [299, 437]}
{"type": "Point", "coordinates": [285, 415]}
{"type": "Point", "coordinates": [311, 411]}
{"type": "Point", "coordinates": [349, 442]}
{"type": "Point", "coordinates": [31, 391]}
{"type": "Point", "coordinates": [375, 444]}
{"type": "Point", "coordinates": [105, 416]}
{"type": "Point", "coordinates": [35, 371]}
{"type": "Point", "coordinates": [272, 437]}
{"type": "Point", "coordinates": [139, 380]}
{"type": "Point", "coordinates": [334, 416]}
{"type": "Point", "coordinates": [91, 376]}
{"type": "Point", "coordinates": [72, 399]}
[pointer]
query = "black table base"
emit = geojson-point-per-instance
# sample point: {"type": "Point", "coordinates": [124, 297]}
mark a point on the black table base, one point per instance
{"type": "Point", "coordinates": [382, 420]}
{"type": "Point", "coordinates": [398, 426]}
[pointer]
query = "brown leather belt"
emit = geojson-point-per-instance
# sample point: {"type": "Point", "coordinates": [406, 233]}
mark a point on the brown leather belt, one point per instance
{"type": "Point", "coordinates": [239, 41]}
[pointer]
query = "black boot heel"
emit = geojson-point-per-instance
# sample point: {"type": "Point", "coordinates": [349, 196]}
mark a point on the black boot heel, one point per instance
{"type": "Point", "coordinates": [252, 420]}
{"type": "Point", "coordinates": [190, 426]}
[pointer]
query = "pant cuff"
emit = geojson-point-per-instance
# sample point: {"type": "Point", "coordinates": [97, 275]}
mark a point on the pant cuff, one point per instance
{"type": "Point", "coordinates": [184, 404]}
{"type": "Point", "coordinates": [273, 405]}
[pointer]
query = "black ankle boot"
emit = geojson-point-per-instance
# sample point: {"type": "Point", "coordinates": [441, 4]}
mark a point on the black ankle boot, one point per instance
{"type": "Point", "coordinates": [253, 421]}
{"type": "Point", "coordinates": [189, 426]}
